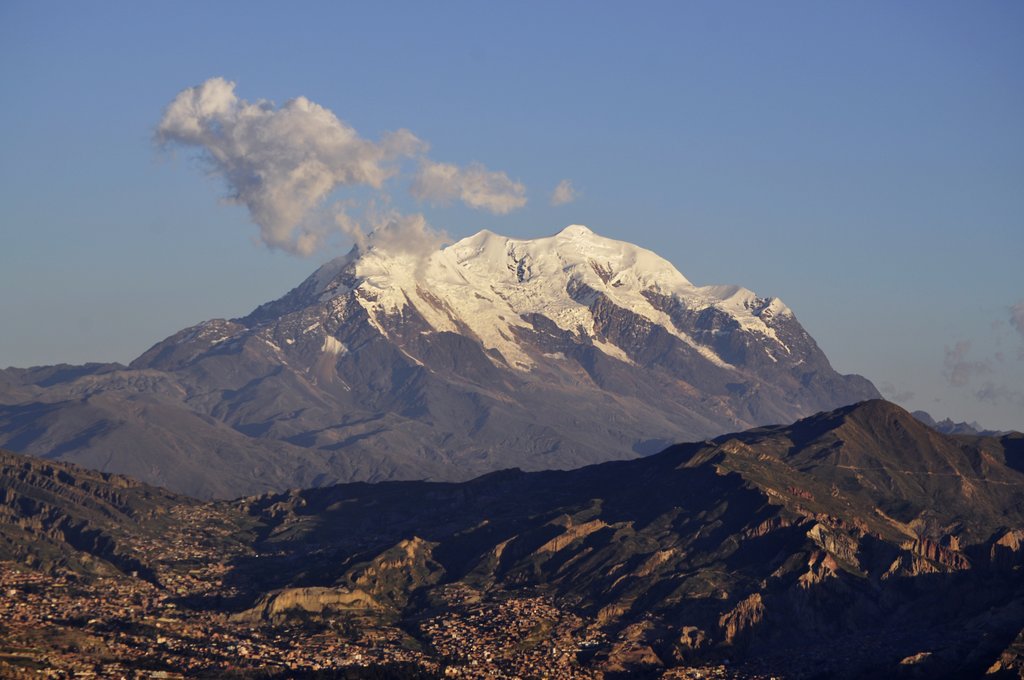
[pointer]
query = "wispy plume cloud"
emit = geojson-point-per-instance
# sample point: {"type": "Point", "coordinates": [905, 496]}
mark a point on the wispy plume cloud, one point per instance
{"type": "Point", "coordinates": [476, 186]}
{"type": "Point", "coordinates": [1017, 317]}
{"type": "Point", "coordinates": [959, 369]}
{"type": "Point", "coordinates": [564, 193]}
{"type": "Point", "coordinates": [985, 377]}
{"type": "Point", "coordinates": [282, 163]}
{"type": "Point", "coordinates": [1017, 321]}
{"type": "Point", "coordinates": [999, 394]}
{"type": "Point", "coordinates": [391, 230]}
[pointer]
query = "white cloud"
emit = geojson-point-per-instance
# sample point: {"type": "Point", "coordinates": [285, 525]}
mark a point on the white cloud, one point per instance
{"type": "Point", "coordinates": [564, 193]}
{"type": "Point", "coordinates": [391, 230]}
{"type": "Point", "coordinates": [282, 162]}
{"type": "Point", "coordinates": [476, 186]}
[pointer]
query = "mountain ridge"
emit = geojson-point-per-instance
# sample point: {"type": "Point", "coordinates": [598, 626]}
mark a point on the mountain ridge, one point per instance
{"type": "Point", "coordinates": [389, 364]}
{"type": "Point", "coordinates": [826, 547]}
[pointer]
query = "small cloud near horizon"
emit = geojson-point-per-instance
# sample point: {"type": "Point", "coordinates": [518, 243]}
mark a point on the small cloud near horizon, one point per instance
{"type": "Point", "coordinates": [959, 370]}
{"type": "Point", "coordinates": [1017, 321]}
{"type": "Point", "coordinates": [564, 193]}
{"type": "Point", "coordinates": [892, 393]}
{"type": "Point", "coordinates": [999, 394]}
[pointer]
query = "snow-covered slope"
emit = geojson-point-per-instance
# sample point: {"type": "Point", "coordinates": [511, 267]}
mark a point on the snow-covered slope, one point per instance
{"type": "Point", "coordinates": [486, 285]}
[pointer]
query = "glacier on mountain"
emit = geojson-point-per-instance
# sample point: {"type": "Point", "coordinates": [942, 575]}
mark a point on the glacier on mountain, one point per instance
{"type": "Point", "coordinates": [485, 284]}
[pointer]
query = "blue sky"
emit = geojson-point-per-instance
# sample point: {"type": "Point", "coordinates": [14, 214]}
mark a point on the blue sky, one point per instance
{"type": "Point", "coordinates": [862, 161]}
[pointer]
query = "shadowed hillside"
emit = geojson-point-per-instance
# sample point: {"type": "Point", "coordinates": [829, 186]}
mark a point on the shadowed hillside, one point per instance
{"type": "Point", "coordinates": [854, 542]}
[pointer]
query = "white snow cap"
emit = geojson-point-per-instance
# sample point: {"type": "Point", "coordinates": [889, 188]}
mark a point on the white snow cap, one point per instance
{"type": "Point", "coordinates": [487, 282]}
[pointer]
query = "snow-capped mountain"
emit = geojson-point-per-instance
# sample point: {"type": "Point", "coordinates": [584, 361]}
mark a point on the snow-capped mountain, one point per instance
{"type": "Point", "coordinates": [487, 287]}
{"type": "Point", "coordinates": [486, 354]}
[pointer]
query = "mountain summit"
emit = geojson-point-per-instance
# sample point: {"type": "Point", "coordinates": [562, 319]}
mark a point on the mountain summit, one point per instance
{"type": "Point", "coordinates": [390, 363]}
{"type": "Point", "coordinates": [488, 287]}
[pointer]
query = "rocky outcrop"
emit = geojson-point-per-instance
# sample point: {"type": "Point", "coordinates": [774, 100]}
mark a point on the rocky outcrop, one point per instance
{"type": "Point", "coordinates": [633, 650]}
{"type": "Point", "coordinates": [741, 619]}
{"type": "Point", "coordinates": [1008, 547]}
{"type": "Point", "coordinates": [1010, 663]}
{"type": "Point", "coordinates": [572, 533]}
{"type": "Point", "coordinates": [950, 559]}
{"type": "Point", "coordinates": [836, 543]}
{"type": "Point", "coordinates": [396, 574]}
{"type": "Point", "coordinates": [54, 515]}
{"type": "Point", "coordinates": [297, 602]}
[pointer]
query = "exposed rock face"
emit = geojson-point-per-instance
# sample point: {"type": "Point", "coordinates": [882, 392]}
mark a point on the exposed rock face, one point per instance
{"type": "Point", "coordinates": [394, 574]}
{"type": "Point", "coordinates": [1008, 550]}
{"type": "Point", "coordinates": [491, 353]}
{"type": "Point", "coordinates": [291, 602]}
{"type": "Point", "coordinates": [58, 515]}
{"type": "Point", "coordinates": [1011, 662]}
{"type": "Point", "coordinates": [932, 551]}
{"type": "Point", "coordinates": [747, 614]}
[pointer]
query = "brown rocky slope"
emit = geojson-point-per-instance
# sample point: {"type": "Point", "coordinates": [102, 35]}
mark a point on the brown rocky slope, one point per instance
{"type": "Point", "coordinates": [855, 543]}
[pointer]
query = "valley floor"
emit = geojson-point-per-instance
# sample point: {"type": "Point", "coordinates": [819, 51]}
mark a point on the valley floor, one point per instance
{"type": "Point", "coordinates": [855, 544]}
{"type": "Point", "coordinates": [61, 626]}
